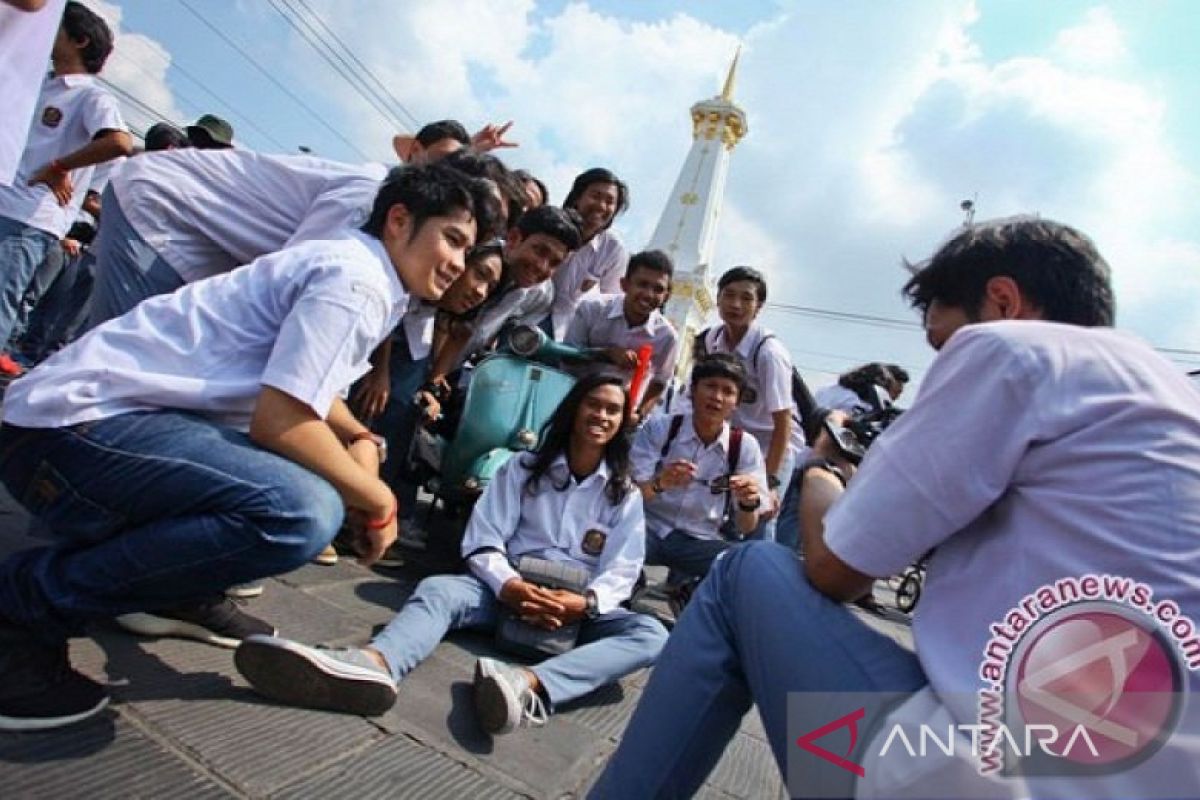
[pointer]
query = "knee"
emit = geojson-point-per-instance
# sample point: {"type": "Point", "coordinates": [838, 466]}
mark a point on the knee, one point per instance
{"type": "Point", "coordinates": [305, 516]}
{"type": "Point", "coordinates": [752, 565]}
{"type": "Point", "coordinates": [437, 591]}
{"type": "Point", "coordinates": [649, 634]}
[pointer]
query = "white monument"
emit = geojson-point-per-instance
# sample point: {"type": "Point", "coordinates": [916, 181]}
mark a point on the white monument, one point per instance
{"type": "Point", "coordinates": [687, 231]}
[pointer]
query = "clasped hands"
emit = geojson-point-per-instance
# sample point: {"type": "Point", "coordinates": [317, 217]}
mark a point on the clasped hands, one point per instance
{"type": "Point", "coordinates": [546, 608]}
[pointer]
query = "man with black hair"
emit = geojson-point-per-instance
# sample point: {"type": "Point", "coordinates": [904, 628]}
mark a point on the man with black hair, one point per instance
{"type": "Point", "coordinates": [439, 139]}
{"type": "Point", "coordinates": [1044, 448]}
{"type": "Point", "coordinates": [225, 397]}
{"type": "Point", "coordinates": [598, 196]}
{"type": "Point", "coordinates": [210, 132]}
{"type": "Point", "coordinates": [702, 480]}
{"type": "Point", "coordinates": [621, 323]}
{"type": "Point", "coordinates": [77, 125]}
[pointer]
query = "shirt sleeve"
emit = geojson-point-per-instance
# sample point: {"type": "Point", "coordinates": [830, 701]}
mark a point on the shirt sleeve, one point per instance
{"type": "Point", "coordinates": [535, 307]}
{"type": "Point", "coordinates": [101, 112]}
{"type": "Point", "coordinates": [944, 461]}
{"type": "Point", "coordinates": [647, 445]}
{"type": "Point", "coordinates": [579, 327]}
{"type": "Point", "coordinates": [665, 356]}
{"type": "Point", "coordinates": [619, 567]}
{"type": "Point", "coordinates": [325, 340]}
{"type": "Point", "coordinates": [609, 269]}
{"type": "Point", "coordinates": [493, 522]}
{"type": "Point", "coordinates": [775, 371]}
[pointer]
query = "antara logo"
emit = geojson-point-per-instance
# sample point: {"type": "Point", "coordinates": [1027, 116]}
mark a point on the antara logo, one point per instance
{"type": "Point", "coordinates": [807, 741]}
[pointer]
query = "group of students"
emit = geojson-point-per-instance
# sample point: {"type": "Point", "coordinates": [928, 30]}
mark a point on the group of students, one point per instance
{"type": "Point", "coordinates": [240, 299]}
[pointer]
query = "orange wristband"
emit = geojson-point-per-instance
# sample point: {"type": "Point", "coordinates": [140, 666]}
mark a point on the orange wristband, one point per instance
{"type": "Point", "coordinates": [380, 524]}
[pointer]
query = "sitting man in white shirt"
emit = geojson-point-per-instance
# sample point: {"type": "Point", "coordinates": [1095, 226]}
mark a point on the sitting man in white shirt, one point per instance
{"type": "Point", "coordinates": [622, 323]}
{"type": "Point", "coordinates": [703, 481]}
{"type": "Point", "coordinates": [201, 441]}
{"type": "Point", "coordinates": [1045, 450]}
{"type": "Point", "coordinates": [570, 502]}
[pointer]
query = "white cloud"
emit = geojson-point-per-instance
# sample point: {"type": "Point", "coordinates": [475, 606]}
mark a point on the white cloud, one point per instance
{"type": "Point", "coordinates": [1096, 41]}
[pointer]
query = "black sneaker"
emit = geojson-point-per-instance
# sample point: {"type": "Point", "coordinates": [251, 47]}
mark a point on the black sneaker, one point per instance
{"type": "Point", "coordinates": [218, 621]}
{"type": "Point", "coordinates": [38, 688]}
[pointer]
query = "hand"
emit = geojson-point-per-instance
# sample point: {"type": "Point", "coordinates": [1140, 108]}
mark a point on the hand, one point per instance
{"type": "Point", "coordinates": [530, 600]}
{"type": "Point", "coordinates": [371, 396]}
{"type": "Point", "coordinates": [745, 490]}
{"type": "Point", "coordinates": [366, 454]}
{"type": "Point", "coordinates": [621, 357]}
{"type": "Point", "coordinates": [491, 137]}
{"type": "Point", "coordinates": [574, 605]}
{"type": "Point", "coordinates": [58, 181]}
{"type": "Point", "coordinates": [677, 474]}
{"type": "Point", "coordinates": [70, 247]}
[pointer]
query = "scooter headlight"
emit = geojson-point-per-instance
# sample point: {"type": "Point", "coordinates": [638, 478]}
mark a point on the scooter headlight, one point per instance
{"type": "Point", "coordinates": [525, 340]}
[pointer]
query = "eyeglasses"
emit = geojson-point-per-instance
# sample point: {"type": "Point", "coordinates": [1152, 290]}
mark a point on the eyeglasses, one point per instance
{"type": "Point", "coordinates": [717, 485]}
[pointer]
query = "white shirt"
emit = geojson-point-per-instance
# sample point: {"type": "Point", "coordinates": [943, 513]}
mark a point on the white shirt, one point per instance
{"type": "Point", "coordinates": [836, 396]}
{"type": "Point", "coordinates": [208, 211]}
{"type": "Point", "coordinates": [601, 261]}
{"type": "Point", "coordinates": [26, 39]}
{"type": "Point", "coordinates": [695, 510]}
{"type": "Point", "coordinates": [417, 328]}
{"type": "Point", "coordinates": [599, 321]}
{"type": "Point", "coordinates": [1034, 452]}
{"type": "Point", "coordinates": [303, 320]}
{"type": "Point", "coordinates": [70, 111]}
{"type": "Point", "coordinates": [770, 375]}
{"type": "Point", "coordinates": [517, 306]}
{"type": "Point", "coordinates": [552, 525]}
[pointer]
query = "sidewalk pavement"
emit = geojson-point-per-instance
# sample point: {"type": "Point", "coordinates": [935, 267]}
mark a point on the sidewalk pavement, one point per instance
{"type": "Point", "coordinates": [183, 723]}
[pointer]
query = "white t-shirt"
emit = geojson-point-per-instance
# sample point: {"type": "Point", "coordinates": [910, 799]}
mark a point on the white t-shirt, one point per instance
{"type": "Point", "coordinates": [26, 39]}
{"type": "Point", "coordinates": [71, 110]}
{"type": "Point", "coordinates": [303, 320]}
{"type": "Point", "coordinates": [578, 525]}
{"type": "Point", "coordinates": [836, 396]}
{"type": "Point", "coordinates": [601, 261]}
{"type": "Point", "coordinates": [599, 321]}
{"type": "Point", "coordinates": [770, 375]}
{"type": "Point", "coordinates": [1035, 452]}
{"type": "Point", "coordinates": [207, 211]}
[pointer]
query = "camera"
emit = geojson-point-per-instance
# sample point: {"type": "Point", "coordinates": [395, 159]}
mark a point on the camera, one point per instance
{"type": "Point", "coordinates": [858, 432]}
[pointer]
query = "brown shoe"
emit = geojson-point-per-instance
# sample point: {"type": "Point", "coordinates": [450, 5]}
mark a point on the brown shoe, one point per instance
{"type": "Point", "coordinates": [327, 557]}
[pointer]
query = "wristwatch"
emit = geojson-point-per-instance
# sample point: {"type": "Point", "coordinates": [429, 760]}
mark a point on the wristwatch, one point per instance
{"type": "Point", "coordinates": [773, 482]}
{"type": "Point", "coordinates": [655, 486]}
{"type": "Point", "coordinates": [379, 441]}
{"type": "Point", "coordinates": [748, 507]}
{"type": "Point", "coordinates": [592, 610]}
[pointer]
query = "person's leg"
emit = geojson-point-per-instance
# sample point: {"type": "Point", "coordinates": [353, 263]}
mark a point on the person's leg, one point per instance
{"type": "Point", "coordinates": [755, 631]}
{"type": "Point", "coordinates": [43, 278]}
{"type": "Point", "coordinates": [152, 511]}
{"type": "Point", "coordinates": [34, 342]}
{"type": "Point", "coordinates": [609, 648]}
{"type": "Point", "coordinates": [79, 304]}
{"type": "Point", "coordinates": [689, 555]}
{"type": "Point", "coordinates": [128, 270]}
{"type": "Point", "coordinates": [22, 249]}
{"type": "Point", "coordinates": [787, 527]}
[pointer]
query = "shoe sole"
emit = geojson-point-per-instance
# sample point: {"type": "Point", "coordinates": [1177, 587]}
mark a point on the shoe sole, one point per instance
{"type": "Point", "coordinates": [50, 723]}
{"type": "Point", "coordinates": [326, 561]}
{"type": "Point", "coordinates": [493, 707]}
{"type": "Point", "coordinates": [290, 674]}
{"type": "Point", "coordinates": [244, 593]}
{"type": "Point", "coordinates": [149, 625]}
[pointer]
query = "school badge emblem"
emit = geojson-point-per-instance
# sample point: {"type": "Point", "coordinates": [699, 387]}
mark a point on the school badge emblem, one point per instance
{"type": "Point", "coordinates": [593, 542]}
{"type": "Point", "coordinates": [51, 117]}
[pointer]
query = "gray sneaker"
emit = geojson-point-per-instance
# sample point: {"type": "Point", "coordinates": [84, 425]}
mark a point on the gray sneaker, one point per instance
{"type": "Point", "coordinates": [504, 699]}
{"type": "Point", "coordinates": [342, 679]}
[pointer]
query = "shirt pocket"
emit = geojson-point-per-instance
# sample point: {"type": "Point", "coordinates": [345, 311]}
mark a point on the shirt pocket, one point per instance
{"type": "Point", "coordinates": [592, 542]}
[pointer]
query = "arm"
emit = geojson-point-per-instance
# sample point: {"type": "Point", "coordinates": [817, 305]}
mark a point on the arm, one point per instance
{"type": "Point", "coordinates": [619, 567]}
{"type": "Point", "coordinates": [781, 436]}
{"type": "Point", "coordinates": [828, 574]}
{"type": "Point", "coordinates": [650, 399]}
{"type": "Point", "coordinates": [57, 174]}
{"type": "Point", "coordinates": [26, 5]}
{"type": "Point", "coordinates": [373, 392]}
{"type": "Point", "coordinates": [449, 353]}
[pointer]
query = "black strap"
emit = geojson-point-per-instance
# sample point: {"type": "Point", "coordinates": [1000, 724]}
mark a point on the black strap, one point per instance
{"type": "Point", "coordinates": [735, 455]}
{"type": "Point", "coordinates": [672, 432]}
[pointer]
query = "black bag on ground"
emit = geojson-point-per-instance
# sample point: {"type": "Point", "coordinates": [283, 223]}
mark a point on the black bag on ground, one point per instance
{"type": "Point", "coordinates": [530, 641]}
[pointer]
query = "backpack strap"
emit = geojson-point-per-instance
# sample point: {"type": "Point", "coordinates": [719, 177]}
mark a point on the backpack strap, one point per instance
{"type": "Point", "coordinates": [758, 349]}
{"type": "Point", "coordinates": [735, 455]}
{"type": "Point", "coordinates": [672, 432]}
{"type": "Point", "coordinates": [699, 346]}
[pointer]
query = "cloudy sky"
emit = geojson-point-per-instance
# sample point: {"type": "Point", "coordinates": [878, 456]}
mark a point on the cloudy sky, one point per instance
{"type": "Point", "coordinates": [869, 123]}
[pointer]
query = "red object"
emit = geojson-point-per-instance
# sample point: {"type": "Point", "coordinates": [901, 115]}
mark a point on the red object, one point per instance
{"type": "Point", "coordinates": [640, 373]}
{"type": "Point", "coordinates": [380, 524]}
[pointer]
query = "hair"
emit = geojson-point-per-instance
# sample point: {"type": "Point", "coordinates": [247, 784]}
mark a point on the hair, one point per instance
{"type": "Point", "coordinates": [863, 380]}
{"type": "Point", "coordinates": [655, 260]}
{"type": "Point", "coordinates": [598, 175]}
{"type": "Point", "coordinates": [745, 274]}
{"type": "Point", "coordinates": [1057, 268]}
{"type": "Point", "coordinates": [898, 372]}
{"type": "Point", "coordinates": [434, 132]}
{"type": "Point", "coordinates": [721, 365]}
{"type": "Point", "coordinates": [556, 440]}
{"type": "Point", "coordinates": [525, 175]}
{"type": "Point", "coordinates": [483, 165]}
{"type": "Point", "coordinates": [164, 136]}
{"type": "Point", "coordinates": [433, 190]}
{"type": "Point", "coordinates": [555, 222]}
{"type": "Point", "coordinates": [79, 23]}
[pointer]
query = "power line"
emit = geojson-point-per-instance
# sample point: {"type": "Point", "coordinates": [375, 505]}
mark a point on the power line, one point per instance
{"type": "Point", "coordinates": [416, 123]}
{"type": "Point", "coordinates": [845, 316]}
{"type": "Point", "coordinates": [138, 104]}
{"type": "Point", "coordinates": [266, 74]}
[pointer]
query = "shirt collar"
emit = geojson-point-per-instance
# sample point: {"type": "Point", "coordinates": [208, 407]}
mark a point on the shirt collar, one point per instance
{"type": "Point", "coordinates": [616, 310]}
{"type": "Point", "coordinates": [689, 427]}
{"type": "Point", "coordinates": [400, 293]}
{"type": "Point", "coordinates": [75, 79]}
{"type": "Point", "coordinates": [562, 469]}
{"type": "Point", "coordinates": [746, 346]}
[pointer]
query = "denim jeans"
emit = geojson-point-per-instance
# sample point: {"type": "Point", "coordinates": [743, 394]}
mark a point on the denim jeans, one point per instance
{"type": "Point", "coordinates": [23, 248]}
{"type": "Point", "coordinates": [151, 510]}
{"type": "Point", "coordinates": [62, 311]}
{"type": "Point", "coordinates": [398, 422]}
{"type": "Point", "coordinates": [610, 647]}
{"type": "Point", "coordinates": [683, 553]}
{"type": "Point", "coordinates": [787, 524]}
{"type": "Point", "coordinates": [127, 269]}
{"type": "Point", "coordinates": [754, 631]}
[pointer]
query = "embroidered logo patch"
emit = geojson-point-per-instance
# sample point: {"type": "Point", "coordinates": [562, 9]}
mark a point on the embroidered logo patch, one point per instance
{"type": "Point", "coordinates": [51, 117]}
{"type": "Point", "coordinates": [593, 542]}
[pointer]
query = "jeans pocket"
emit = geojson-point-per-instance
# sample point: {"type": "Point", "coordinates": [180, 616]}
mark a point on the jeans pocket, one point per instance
{"type": "Point", "coordinates": [51, 498]}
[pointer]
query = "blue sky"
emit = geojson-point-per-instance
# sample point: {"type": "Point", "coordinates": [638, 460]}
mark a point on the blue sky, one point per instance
{"type": "Point", "coordinates": [869, 123]}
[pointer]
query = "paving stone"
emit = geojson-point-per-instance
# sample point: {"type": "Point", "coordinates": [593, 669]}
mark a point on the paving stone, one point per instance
{"type": "Point", "coordinates": [102, 758]}
{"type": "Point", "coordinates": [369, 599]}
{"type": "Point", "coordinates": [399, 767]}
{"type": "Point", "coordinates": [606, 710]}
{"type": "Point", "coordinates": [747, 769]}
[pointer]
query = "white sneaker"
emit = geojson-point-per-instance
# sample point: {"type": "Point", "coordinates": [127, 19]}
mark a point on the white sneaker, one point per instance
{"type": "Point", "coordinates": [333, 679]}
{"type": "Point", "coordinates": [504, 699]}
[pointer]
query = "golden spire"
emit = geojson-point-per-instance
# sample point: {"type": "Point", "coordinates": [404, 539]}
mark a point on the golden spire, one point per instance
{"type": "Point", "coordinates": [727, 92]}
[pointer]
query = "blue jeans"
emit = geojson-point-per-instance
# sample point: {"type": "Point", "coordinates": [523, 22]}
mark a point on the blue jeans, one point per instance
{"type": "Point", "coordinates": [127, 269]}
{"type": "Point", "coordinates": [23, 248]}
{"type": "Point", "coordinates": [787, 527]}
{"type": "Point", "coordinates": [151, 510]}
{"type": "Point", "coordinates": [398, 422]}
{"type": "Point", "coordinates": [62, 310]}
{"type": "Point", "coordinates": [610, 647]}
{"type": "Point", "coordinates": [682, 553]}
{"type": "Point", "coordinates": [754, 631]}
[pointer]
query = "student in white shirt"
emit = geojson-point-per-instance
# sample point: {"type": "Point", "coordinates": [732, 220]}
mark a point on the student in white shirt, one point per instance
{"type": "Point", "coordinates": [622, 323]}
{"type": "Point", "coordinates": [598, 196]}
{"type": "Point", "coordinates": [76, 126]}
{"type": "Point", "coordinates": [201, 441]}
{"type": "Point", "coordinates": [570, 501]}
{"type": "Point", "coordinates": [27, 29]}
{"type": "Point", "coordinates": [1037, 453]}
